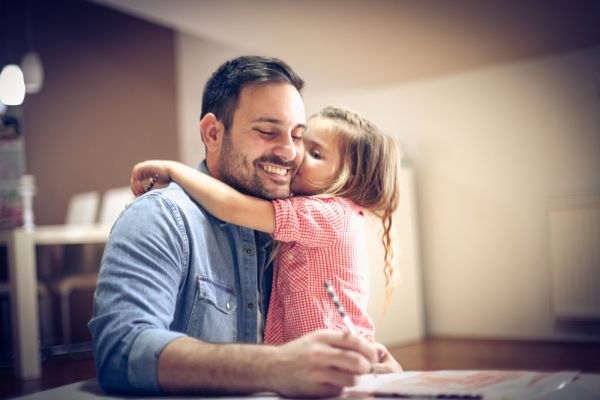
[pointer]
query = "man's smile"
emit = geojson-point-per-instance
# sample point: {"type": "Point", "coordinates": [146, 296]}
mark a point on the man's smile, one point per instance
{"type": "Point", "coordinates": [276, 173]}
{"type": "Point", "coordinates": [275, 170]}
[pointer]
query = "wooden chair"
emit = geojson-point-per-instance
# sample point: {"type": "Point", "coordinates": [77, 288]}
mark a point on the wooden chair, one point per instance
{"type": "Point", "coordinates": [82, 210]}
{"type": "Point", "coordinates": [113, 203]}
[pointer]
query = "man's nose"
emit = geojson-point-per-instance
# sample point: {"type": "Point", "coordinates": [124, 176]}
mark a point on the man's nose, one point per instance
{"type": "Point", "coordinates": [286, 148]}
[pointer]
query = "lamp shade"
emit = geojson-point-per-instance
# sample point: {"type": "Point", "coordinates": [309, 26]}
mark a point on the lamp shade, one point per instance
{"type": "Point", "coordinates": [12, 85]}
{"type": "Point", "coordinates": [33, 72]}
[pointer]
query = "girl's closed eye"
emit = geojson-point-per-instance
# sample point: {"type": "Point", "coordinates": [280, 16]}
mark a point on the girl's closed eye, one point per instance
{"type": "Point", "coordinates": [316, 154]}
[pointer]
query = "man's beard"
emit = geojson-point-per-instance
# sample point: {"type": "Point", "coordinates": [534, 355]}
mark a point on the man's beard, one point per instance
{"type": "Point", "coordinates": [237, 171]}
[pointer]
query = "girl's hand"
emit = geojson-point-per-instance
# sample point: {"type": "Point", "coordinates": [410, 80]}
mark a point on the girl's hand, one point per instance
{"type": "Point", "coordinates": [148, 175]}
{"type": "Point", "coordinates": [386, 362]}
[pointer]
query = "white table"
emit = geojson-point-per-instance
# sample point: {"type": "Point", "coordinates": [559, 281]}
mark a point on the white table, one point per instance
{"type": "Point", "coordinates": [22, 272]}
{"type": "Point", "coordinates": [587, 387]}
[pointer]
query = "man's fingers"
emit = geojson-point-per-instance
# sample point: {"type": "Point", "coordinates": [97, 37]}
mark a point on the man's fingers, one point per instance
{"type": "Point", "coordinates": [322, 363]}
{"type": "Point", "coordinates": [336, 378]}
{"type": "Point", "coordinates": [344, 352]}
{"type": "Point", "coordinates": [345, 360]}
{"type": "Point", "coordinates": [350, 342]}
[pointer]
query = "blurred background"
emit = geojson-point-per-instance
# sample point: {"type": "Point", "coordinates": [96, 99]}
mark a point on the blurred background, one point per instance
{"type": "Point", "coordinates": [496, 105]}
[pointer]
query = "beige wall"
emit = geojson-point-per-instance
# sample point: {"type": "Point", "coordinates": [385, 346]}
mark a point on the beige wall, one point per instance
{"type": "Point", "coordinates": [196, 60]}
{"type": "Point", "coordinates": [108, 101]}
{"type": "Point", "coordinates": [403, 321]}
{"type": "Point", "coordinates": [489, 147]}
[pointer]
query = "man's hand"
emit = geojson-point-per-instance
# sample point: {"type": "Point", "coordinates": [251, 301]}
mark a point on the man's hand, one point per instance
{"type": "Point", "coordinates": [386, 362]}
{"type": "Point", "coordinates": [320, 364]}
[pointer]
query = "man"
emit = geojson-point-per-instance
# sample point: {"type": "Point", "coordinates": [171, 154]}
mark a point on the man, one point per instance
{"type": "Point", "coordinates": [177, 294]}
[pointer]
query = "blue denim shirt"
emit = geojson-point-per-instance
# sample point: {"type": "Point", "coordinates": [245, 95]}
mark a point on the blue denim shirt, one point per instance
{"type": "Point", "coordinates": [171, 269]}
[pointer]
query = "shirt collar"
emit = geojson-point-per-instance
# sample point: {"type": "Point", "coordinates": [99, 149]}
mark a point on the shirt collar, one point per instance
{"type": "Point", "coordinates": [202, 167]}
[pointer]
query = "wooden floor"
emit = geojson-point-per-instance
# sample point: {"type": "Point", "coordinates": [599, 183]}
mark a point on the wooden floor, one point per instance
{"type": "Point", "coordinates": [443, 353]}
{"type": "Point", "coordinates": [430, 354]}
{"type": "Point", "coordinates": [55, 372]}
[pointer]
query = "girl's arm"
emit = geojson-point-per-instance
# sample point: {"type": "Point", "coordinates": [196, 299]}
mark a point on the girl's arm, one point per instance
{"type": "Point", "coordinates": [218, 198]}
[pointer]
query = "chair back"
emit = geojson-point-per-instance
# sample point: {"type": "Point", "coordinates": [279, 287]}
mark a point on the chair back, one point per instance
{"type": "Point", "coordinates": [83, 208]}
{"type": "Point", "coordinates": [113, 202]}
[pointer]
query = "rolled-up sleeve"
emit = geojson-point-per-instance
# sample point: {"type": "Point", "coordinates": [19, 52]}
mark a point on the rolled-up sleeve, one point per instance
{"type": "Point", "coordinates": [144, 261]}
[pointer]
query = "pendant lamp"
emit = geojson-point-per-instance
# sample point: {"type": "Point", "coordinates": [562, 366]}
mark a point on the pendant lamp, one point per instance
{"type": "Point", "coordinates": [33, 72]}
{"type": "Point", "coordinates": [12, 85]}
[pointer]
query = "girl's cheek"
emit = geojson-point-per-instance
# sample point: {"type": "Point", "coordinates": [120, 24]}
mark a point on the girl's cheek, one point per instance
{"type": "Point", "coordinates": [304, 165]}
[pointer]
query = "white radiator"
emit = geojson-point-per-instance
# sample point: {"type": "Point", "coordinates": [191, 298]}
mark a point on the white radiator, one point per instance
{"type": "Point", "coordinates": [575, 256]}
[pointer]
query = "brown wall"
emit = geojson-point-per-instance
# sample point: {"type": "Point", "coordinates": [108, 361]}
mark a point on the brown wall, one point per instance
{"type": "Point", "coordinates": [108, 100]}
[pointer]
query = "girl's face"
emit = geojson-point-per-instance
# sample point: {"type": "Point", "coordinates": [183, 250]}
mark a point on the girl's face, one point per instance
{"type": "Point", "coordinates": [322, 161]}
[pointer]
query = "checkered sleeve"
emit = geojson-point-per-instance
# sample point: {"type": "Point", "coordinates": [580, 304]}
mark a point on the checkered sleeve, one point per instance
{"type": "Point", "coordinates": [311, 221]}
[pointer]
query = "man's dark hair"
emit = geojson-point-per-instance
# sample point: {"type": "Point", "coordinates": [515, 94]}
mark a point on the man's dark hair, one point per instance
{"type": "Point", "coordinates": [222, 91]}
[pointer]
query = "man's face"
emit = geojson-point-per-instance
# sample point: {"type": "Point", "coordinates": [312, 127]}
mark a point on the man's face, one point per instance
{"type": "Point", "coordinates": [263, 149]}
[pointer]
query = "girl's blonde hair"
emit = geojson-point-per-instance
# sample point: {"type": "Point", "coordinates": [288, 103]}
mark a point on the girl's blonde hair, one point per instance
{"type": "Point", "coordinates": [370, 166]}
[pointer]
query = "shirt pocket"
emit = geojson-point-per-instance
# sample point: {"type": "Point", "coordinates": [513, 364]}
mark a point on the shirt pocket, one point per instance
{"type": "Point", "coordinates": [213, 317]}
{"type": "Point", "coordinates": [292, 274]}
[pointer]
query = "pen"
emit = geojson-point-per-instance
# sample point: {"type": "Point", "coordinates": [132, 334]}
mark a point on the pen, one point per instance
{"type": "Point", "coordinates": [340, 308]}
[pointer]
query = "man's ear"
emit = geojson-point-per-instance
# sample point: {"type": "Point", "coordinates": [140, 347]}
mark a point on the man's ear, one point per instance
{"type": "Point", "coordinates": [211, 130]}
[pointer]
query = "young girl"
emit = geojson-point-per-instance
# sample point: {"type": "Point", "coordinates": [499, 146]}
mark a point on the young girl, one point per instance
{"type": "Point", "coordinates": [349, 165]}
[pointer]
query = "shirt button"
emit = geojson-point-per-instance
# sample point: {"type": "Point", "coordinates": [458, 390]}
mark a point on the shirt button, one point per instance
{"type": "Point", "coordinates": [249, 252]}
{"type": "Point", "coordinates": [250, 305]}
{"type": "Point", "coordinates": [228, 306]}
{"type": "Point", "coordinates": [290, 256]}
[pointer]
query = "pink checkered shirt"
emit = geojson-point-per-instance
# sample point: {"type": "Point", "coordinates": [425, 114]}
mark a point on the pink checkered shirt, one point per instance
{"type": "Point", "coordinates": [323, 241]}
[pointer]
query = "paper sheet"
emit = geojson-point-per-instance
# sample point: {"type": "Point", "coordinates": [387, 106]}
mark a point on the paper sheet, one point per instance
{"type": "Point", "coordinates": [492, 385]}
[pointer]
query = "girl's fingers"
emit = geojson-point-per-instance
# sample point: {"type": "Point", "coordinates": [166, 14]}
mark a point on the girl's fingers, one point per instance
{"type": "Point", "coordinates": [151, 183]}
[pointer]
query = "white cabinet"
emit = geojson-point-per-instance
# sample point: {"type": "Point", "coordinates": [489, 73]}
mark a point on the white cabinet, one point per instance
{"type": "Point", "coordinates": [575, 256]}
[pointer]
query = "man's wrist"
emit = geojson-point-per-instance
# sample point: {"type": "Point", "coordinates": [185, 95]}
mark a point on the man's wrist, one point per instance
{"type": "Point", "coordinates": [270, 368]}
{"type": "Point", "coordinates": [189, 365]}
